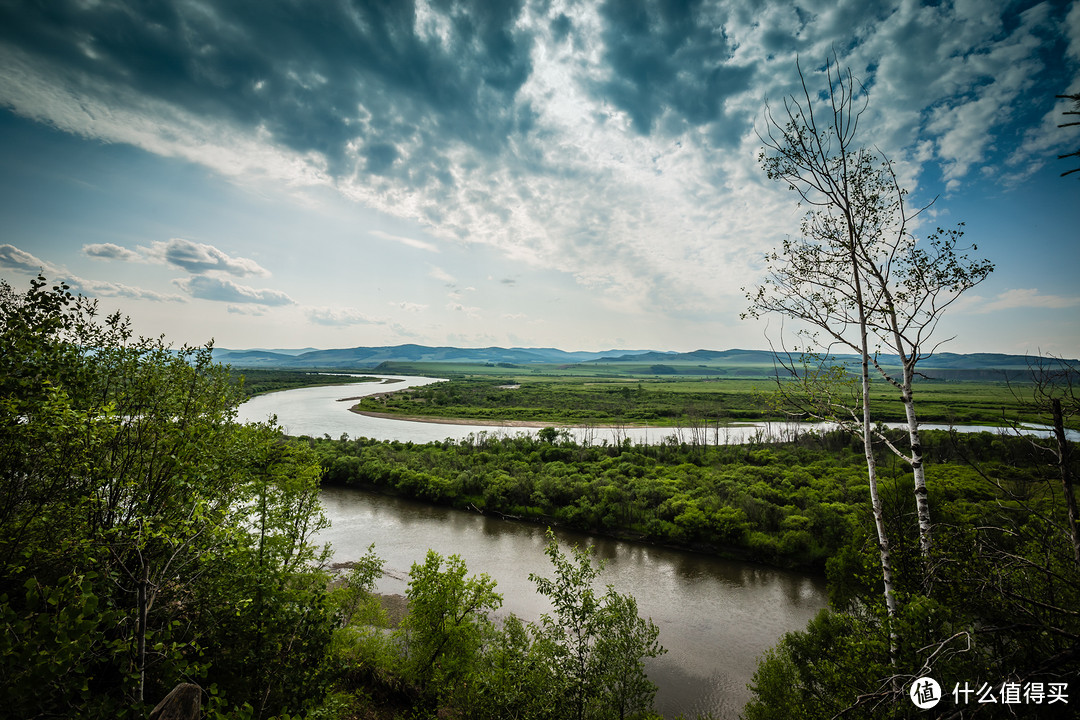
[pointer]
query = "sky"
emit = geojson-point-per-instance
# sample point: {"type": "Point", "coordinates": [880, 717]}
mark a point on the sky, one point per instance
{"type": "Point", "coordinates": [529, 173]}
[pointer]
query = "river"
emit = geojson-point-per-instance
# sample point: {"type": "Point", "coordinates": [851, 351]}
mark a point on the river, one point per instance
{"type": "Point", "coordinates": [324, 410]}
{"type": "Point", "coordinates": [715, 616]}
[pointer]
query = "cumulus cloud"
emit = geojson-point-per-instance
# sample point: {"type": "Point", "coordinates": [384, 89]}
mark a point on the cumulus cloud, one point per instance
{"type": "Point", "coordinates": [199, 258]}
{"type": "Point", "coordinates": [110, 251]}
{"type": "Point", "coordinates": [195, 258]}
{"type": "Point", "coordinates": [249, 310]}
{"type": "Point", "coordinates": [222, 290]}
{"type": "Point", "coordinates": [104, 288]}
{"type": "Point", "coordinates": [16, 259]}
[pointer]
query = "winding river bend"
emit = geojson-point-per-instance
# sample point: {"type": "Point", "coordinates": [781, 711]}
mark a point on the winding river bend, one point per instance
{"type": "Point", "coordinates": [716, 617]}
{"type": "Point", "coordinates": [324, 410]}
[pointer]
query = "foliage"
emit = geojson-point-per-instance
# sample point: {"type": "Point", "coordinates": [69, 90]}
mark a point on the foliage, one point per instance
{"type": "Point", "coordinates": [256, 381]}
{"type": "Point", "coordinates": [144, 537]}
{"type": "Point", "coordinates": [598, 642]}
{"type": "Point", "coordinates": [707, 403]}
{"type": "Point", "coordinates": [793, 503]}
{"type": "Point", "coordinates": [447, 623]}
{"type": "Point", "coordinates": [1000, 607]}
{"type": "Point", "coordinates": [449, 658]}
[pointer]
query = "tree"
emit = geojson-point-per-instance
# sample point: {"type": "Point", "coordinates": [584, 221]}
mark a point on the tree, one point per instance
{"type": "Point", "coordinates": [858, 273]}
{"type": "Point", "coordinates": [141, 523]}
{"type": "Point", "coordinates": [447, 622]}
{"type": "Point", "coordinates": [599, 643]}
{"type": "Point", "coordinates": [1075, 97]}
{"type": "Point", "coordinates": [818, 278]}
{"type": "Point", "coordinates": [912, 284]}
{"type": "Point", "coordinates": [1053, 393]}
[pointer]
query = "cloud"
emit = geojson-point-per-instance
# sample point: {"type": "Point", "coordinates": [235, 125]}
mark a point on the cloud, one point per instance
{"type": "Point", "coordinates": [1017, 298]}
{"type": "Point", "coordinates": [104, 288]}
{"type": "Point", "coordinates": [199, 258]}
{"type": "Point", "coordinates": [359, 85]}
{"type": "Point", "coordinates": [612, 141]}
{"type": "Point", "coordinates": [441, 275]}
{"type": "Point", "coordinates": [411, 306]}
{"type": "Point", "coordinates": [220, 290]}
{"type": "Point", "coordinates": [666, 63]}
{"type": "Point", "coordinates": [16, 259]}
{"type": "Point", "coordinates": [470, 311]}
{"type": "Point", "coordinates": [196, 258]}
{"type": "Point", "coordinates": [341, 317]}
{"type": "Point", "coordinates": [110, 251]}
{"type": "Point", "coordinates": [411, 242]}
{"type": "Point", "coordinates": [249, 310]}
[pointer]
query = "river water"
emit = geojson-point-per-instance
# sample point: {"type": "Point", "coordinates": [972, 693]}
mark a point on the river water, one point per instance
{"type": "Point", "coordinates": [318, 411]}
{"type": "Point", "coordinates": [715, 616]}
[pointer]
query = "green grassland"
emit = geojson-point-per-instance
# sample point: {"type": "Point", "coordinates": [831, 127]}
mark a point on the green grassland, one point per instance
{"type": "Point", "coordinates": [673, 394]}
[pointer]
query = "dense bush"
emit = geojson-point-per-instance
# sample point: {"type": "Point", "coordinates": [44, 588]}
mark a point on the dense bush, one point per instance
{"type": "Point", "coordinates": [145, 538]}
{"type": "Point", "coordinates": [784, 503]}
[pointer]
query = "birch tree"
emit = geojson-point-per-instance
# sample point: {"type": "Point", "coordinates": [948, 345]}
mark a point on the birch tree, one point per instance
{"type": "Point", "coordinates": [858, 274]}
{"type": "Point", "coordinates": [817, 278]}
{"type": "Point", "coordinates": [911, 286]}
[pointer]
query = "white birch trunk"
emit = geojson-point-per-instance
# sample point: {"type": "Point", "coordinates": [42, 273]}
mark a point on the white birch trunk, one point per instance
{"type": "Point", "coordinates": [918, 471]}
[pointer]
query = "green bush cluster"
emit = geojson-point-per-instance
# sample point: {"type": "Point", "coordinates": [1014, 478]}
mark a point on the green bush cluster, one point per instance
{"type": "Point", "coordinates": [783, 503]}
{"type": "Point", "coordinates": [450, 658]}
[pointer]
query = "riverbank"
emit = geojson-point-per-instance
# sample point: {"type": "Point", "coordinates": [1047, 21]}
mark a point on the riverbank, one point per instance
{"type": "Point", "coordinates": [268, 382]}
{"type": "Point", "coordinates": [715, 616]}
{"type": "Point", "coordinates": [534, 424]}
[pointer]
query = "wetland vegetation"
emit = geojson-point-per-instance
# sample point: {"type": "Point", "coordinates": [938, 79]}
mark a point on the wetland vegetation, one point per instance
{"type": "Point", "coordinates": [565, 396]}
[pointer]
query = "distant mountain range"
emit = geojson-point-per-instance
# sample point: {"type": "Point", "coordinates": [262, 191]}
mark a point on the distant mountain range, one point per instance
{"type": "Point", "coordinates": [943, 365]}
{"type": "Point", "coordinates": [370, 357]}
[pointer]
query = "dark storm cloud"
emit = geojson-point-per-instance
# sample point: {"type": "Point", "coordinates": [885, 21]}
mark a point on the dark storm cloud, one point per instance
{"type": "Point", "coordinates": [668, 55]}
{"type": "Point", "coordinates": [325, 77]}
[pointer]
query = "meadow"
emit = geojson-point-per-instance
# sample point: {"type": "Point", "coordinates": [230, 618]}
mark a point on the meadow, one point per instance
{"type": "Point", "coordinates": [629, 394]}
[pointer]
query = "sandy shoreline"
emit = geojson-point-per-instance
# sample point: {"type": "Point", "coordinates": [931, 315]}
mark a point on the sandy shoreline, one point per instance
{"type": "Point", "coordinates": [470, 421]}
{"type": "Point", "coordinates": [517, 423]}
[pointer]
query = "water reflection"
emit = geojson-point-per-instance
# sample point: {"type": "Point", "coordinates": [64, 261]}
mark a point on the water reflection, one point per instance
{"type": "Point", "coordinates": [715, 616]}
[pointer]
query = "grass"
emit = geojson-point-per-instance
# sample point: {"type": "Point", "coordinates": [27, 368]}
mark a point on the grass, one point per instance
{"type": "Point", "coordinates": [565, 394]}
